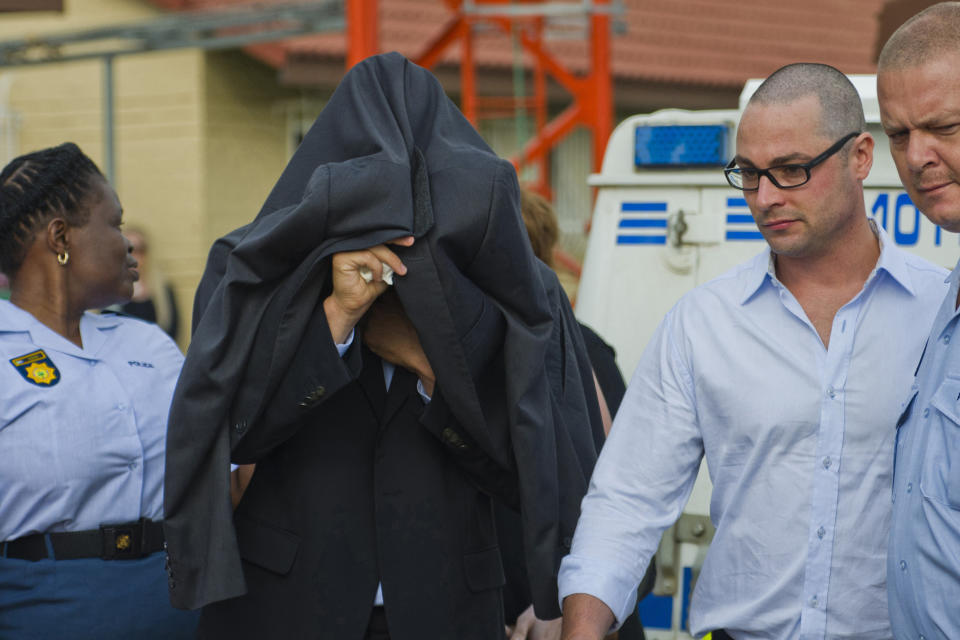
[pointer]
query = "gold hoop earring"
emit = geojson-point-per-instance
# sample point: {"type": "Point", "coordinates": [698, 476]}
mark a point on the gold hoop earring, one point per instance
{"type": "Point", "coordinates": [62, 258]}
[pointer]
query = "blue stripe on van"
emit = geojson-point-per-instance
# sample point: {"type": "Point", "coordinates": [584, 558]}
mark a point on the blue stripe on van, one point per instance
{"type": "Point", "coordinates": [628, 223]}
{"type": "Point", "coordinates": [643, 206]}
{"type": "Point", "coordinates": [625, 239]}
{"type": "Point", "coordinates": [744, 235]}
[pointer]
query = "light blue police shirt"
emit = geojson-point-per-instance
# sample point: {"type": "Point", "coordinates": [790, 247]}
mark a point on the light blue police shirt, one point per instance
{"type": "Point", "coordinates": [923, 567]}
{"type": "Point", "coordinates": [82, 431]}
{"type": "Point", "coordinates": [799, 446]}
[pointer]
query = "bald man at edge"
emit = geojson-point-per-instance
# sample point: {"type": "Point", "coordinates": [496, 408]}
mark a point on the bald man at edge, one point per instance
{"type": "Point", "coordinates": [919, 90]}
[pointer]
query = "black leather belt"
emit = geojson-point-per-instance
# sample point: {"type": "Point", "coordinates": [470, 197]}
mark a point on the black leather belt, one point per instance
{"type": "Point", "coordinates": [127, 541]}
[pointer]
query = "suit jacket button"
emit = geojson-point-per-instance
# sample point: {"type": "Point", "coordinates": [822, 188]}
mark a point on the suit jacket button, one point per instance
{"type": "Point", "coordinates": [452, 438]}
{"type": "Point", "coordinates": [313, 397]}
{"type": "Point", "coordinates": [240, 427]}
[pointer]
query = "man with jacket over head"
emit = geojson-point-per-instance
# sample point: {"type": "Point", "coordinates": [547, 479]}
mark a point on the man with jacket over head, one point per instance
{"type": "Point", "coordinates": [383, 418]}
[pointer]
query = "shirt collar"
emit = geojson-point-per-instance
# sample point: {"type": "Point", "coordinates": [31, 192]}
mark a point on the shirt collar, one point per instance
{"type": "Point", "coordinates": [954, 275]}
{"type": "Point", "coordinates": [13, 319]}
{"type": "Point", "coordinates": [758, 271]}
{"type": "Point", "coordinates": [763, 268]}
{"type": "Point", "coordinates": [893, 260]}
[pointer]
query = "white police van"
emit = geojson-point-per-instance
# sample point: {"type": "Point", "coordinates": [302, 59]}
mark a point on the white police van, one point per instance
{"type": "Point", "coordinates": [665, 221]}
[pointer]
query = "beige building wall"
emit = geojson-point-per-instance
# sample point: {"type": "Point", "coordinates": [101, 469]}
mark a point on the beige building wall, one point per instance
{"type": "Point", "coordinates": [200, 137]}
{"type": "Point", "coordinates": [245, 145]}
{"type": "Point", "coordinates": [160, 175]}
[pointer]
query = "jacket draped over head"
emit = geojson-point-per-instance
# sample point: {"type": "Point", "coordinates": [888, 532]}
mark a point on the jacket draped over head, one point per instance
{"type": "Point", "coordinates": [389, 156]}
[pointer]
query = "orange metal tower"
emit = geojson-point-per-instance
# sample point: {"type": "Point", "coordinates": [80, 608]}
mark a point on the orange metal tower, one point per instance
{"type": "Point", "coordinates": [591, 93]}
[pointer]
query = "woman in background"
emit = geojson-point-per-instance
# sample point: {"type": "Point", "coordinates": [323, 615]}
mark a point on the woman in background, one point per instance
{"type": "Point", "coordinates": [152, 298]}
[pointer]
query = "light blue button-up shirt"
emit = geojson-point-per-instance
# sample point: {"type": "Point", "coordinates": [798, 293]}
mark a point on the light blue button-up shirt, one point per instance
{"type": "Point", "coordinates": [923, 567]}
{"type": "Point", "coordinates": [82, 431]}
{"type": "Point", "coordinates": [799, 446]}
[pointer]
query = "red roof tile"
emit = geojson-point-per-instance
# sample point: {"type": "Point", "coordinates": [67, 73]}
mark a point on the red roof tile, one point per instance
{"type": "Point", "coordinates": [691, 42]}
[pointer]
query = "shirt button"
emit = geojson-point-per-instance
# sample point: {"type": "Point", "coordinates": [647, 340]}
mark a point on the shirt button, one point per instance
{"type": "Point", "coordinates": [909, 487]}
{"type": "Point", "coordinates": [133, 465]}
{"type": "Point", "coordinates": [903, 566]}
{"type": "Point", "coordinates": [814, 602]}
{"type": "Point", "coordinates": [831, 392]}
{"type": "Point", "coordinates": [821, 532]}
{"type": "Point", "coordinates": [121, 407]}
{"type": "Point", "coordinates": [946, 339]}
{"type": "Point", "coordinates": [827, 462]}
{"type": "Point", "coordinates": [926, 412]}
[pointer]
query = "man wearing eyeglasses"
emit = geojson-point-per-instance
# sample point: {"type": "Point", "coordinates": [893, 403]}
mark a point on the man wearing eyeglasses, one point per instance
{"type": "Point", "coordinates": [786, 373]}
{"type": "Point", "coordinates": [919, 92]}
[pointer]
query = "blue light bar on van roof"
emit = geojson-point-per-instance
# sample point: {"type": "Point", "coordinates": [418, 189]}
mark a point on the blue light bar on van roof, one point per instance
{"type": "Point", "coordinates": [681, 146]}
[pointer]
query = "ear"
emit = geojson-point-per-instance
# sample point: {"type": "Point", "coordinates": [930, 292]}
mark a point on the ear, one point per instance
{"type": "Point", "coordinates": [862, 158]}
{"type": "Point", "coordinates": [56, 235]}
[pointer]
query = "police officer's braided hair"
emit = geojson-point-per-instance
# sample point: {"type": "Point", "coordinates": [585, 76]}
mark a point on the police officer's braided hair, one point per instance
{"type": "Point", "coordinates": [36, 187]}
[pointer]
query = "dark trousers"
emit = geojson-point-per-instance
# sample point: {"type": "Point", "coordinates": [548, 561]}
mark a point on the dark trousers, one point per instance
{"type": "Point", "coordinates": [377, 627]}
{"type": "Point", "coordinates": [720, 634]}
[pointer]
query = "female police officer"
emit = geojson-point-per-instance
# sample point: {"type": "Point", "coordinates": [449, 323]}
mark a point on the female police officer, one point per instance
{"type": "Point", "coordinates": [83, 411]}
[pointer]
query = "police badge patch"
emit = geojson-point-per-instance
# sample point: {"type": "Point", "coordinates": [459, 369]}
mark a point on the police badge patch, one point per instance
{"type": "Point", "coordinates": [36, 368]}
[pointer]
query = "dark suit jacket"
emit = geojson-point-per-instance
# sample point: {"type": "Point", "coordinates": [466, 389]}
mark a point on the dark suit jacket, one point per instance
{"type": "Point", "coordinates": [516, 592]}
{"type": "Point", "coordinates": [389, 156]}
{"type": "Point", "coordinates": [362, 493]}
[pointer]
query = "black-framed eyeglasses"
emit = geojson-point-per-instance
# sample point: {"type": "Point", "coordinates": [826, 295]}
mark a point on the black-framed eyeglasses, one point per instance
{"type": "Point", "coordinates": [783, 176]}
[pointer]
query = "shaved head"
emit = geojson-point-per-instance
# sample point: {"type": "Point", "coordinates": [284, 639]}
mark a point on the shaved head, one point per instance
{"type": "Point", "coordinates": [930, 34]}
{"type": "Point", "coordinates": [841, 109]}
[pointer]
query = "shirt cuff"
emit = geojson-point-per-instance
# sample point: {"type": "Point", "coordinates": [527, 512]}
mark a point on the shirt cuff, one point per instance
{"type": "Point", "coordinates": [423, 394]}
{"type": "Point", "coordinates": [342, 348]}
{"type": "Point", "coordinates": [603, 583]}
